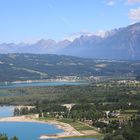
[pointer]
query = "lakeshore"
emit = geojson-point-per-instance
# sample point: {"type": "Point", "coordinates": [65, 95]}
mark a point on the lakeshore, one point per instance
{"type": "Point", "coordinates": [61, 79]}
{"type": "Point", "coordinates": [69, 131]}
{"type": "Point", "coordinates": [42, 83]}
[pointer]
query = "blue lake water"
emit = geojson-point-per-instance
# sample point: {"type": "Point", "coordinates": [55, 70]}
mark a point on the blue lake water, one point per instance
{"type": "Point", "coordinates": [27, 130]}
{"type": "Point", "coordinates": [31, 131]}
{"type": "Point", "coordinates": [32, 84]}
{"type": "Point", "coordinates": [6, 111]}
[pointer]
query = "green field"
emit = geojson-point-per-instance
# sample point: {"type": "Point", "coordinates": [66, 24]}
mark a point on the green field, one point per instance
{"type": "Point", "coordinates": [77, 125]}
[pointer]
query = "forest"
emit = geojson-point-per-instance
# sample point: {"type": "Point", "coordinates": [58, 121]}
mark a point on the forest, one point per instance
{"type": "Point", "coordinates": [112, 107]}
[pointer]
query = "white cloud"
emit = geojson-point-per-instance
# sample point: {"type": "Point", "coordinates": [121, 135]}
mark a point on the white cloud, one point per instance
{"type": "Point", "coordinates": [109, 2]}
{"type": "Point", "coordinates": [134, 14]}
{"type": "Point", "coordinates": [30, 40]}
{"type": "Point", "coordinates": [101, 33]}
{"type": "Point", "coordinates": [73, 36]}
{"type": "Point", "coordinates": [133, 1]}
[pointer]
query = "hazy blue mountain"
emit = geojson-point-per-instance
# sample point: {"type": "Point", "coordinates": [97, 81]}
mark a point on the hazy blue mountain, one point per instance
{"type": "Point", "coordinates": [123, 43]}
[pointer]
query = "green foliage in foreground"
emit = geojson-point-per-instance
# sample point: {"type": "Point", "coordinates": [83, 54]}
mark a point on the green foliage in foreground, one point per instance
{"type": "Point", "coordinates": [4, 137]}
{"type": "Point", "coordinates": [131, 131]}
{"type": "Point", "coordinates": [90, 103]}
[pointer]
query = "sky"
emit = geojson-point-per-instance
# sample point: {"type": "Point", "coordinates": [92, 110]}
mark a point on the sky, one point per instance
{"type": "Point", "coordinates": [31, 20]}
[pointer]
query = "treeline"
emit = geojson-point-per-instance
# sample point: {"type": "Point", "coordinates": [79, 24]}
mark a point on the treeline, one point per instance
{"type": "Point", "coordinates": [5, 137]}
{"type": "Point", "coordinates": [24, 111]}
{"type": "Point", "coordinates": [84, 112]}
{"type": "Point", "coordinates": [115, 129]}
{"type": "Point", "coordinates": [130, 131]}
{"type": "Point", "coordinates": [41, 109]}
{"type": "Point", "coordinates": [105, 96]}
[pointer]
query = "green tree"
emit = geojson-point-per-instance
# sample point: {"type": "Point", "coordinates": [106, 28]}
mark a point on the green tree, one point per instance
{"type": "Point", "coordinates": [3, 137]}
{"type": "Point", "coordinates": [108, 137]}
{"type": "Point", "coordinates": [118, 137]}
{"type": "Point", "coordinates": [14, 138]}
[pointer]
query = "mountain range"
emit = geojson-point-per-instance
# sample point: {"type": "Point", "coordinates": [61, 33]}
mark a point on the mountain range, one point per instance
{"type": "Point", "coordinates": [122, 44]}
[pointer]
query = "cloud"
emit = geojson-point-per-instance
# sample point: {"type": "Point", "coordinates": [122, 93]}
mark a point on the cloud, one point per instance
{"type": "Point", "coordinates": [109, 2]}
{"type": "Point", "coordinates": [134, 14]}
{"type": "Point", "coordinates": [133, 1]}
{"type": "Point", "coordinates": [73, 36]}
{"type": "Point", "coordinates": [30, 40]}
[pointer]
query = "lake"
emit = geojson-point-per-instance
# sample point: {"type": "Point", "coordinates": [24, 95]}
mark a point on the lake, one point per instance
{"type": "Point", "coordinates": [6, 111]}
{"type": "Point", "coordinates": [32, 84]}
{"type": "Point", "coordinates": [27, 130]}
{"type": "Point", "coordinates": [31, 131]}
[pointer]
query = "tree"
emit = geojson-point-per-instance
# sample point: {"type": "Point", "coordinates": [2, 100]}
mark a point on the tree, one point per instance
{"type": "Point", "coordinates": [14, 138]}
{"type": "Point", "coordinates": [108, 137]}
{"type": "Point", "coordinates": [3, 137]}
{"type": "Point", "coordinates": [118, 137]}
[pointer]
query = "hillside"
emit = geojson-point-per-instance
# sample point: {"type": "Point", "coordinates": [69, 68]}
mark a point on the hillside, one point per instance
{"type": "Point", "coordinates": [34, 66]}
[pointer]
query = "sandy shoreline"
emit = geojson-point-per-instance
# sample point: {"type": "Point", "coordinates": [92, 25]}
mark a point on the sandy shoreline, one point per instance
{"type": "Point", "coordinates": [46, 80]}
{"type": "Point", "coordinates": [69, 131]}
